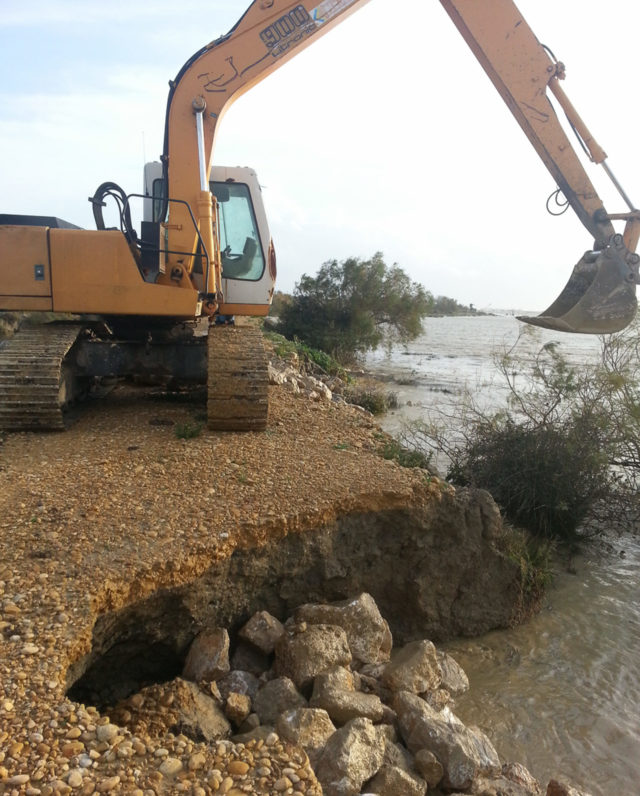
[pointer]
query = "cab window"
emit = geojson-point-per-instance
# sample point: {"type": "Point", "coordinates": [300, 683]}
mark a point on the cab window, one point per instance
{"type": "Point", "coordinates": [242, 256]}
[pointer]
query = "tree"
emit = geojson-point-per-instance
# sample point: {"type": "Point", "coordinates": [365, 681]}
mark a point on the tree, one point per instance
{"type": "Point", "coordinates": [279, 301]}
{"type": "Point", "coordinates": [353, 306]}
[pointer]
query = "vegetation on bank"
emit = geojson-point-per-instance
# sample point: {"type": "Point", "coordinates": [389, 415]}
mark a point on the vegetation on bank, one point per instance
{"type": "Point", "coordinates": [439, 306]}
{"type": "Point", "coordinates": [356, 305]}
{"type": "Point", "coordinates": [562, 459]}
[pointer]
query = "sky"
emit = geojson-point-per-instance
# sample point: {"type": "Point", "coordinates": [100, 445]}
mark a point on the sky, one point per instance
{"type": "Point", "coordinates": [384, 135]}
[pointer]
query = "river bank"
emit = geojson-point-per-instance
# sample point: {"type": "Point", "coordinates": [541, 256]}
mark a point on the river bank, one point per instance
{"type": "Point", "coordinates": [129, 506]}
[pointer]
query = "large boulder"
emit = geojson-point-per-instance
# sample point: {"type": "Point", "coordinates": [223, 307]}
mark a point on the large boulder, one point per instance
{"type": "Point", "coordinates": [334, 691]}
{"type": "Point", "coordinates": [276, 697]}
{"type": "Point", "coordinates": [309, 728]}
{"type": "Point", "coordinates": [368, 633]}
{"type": "Point", "coordinates": [454, 678]}
{"type": "Point", "coordinates": [306, 650]}
{"type": "Point", "coordinates": [178, 706]}
{"type": "Point", "coordinates": [263, 631]}
{"type": "Point", "coordinates": [352, 755]}
{"type": "Point", "coordinates": [238, 682]}
{"type": "Point", "coordinates": [413, 668]}
{"type": "Point", "coordinates": [208, 656]}
{"type": "Point", "coordinates": [429, 767]}
{"type": "Point", "coordinates": [395, 781]}
{"type": "Point", "coordinates": [514, 780]}
{"type": "Point", "coordinates": [560, 787]}
{"type": "Point", "coordinates": [464, 752]}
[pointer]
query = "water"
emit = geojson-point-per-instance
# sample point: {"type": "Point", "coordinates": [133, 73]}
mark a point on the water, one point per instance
{"type": "Point", "coordinates": [458, 353]}
{"type": "Point", "coordinates": [560, 694]}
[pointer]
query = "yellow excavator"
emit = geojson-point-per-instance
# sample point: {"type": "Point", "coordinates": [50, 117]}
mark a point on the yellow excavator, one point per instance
{"type": "Point", "coordinates": [159, 302]}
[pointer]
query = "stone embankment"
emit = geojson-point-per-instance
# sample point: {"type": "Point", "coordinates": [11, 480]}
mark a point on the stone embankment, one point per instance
{"type": "Point", "coordinates": [127, 548]}
{"type": "Point", "coordinates": [364, 717]}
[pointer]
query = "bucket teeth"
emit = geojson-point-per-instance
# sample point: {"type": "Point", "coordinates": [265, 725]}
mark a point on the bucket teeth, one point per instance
{"type": "Point", "coordinates": [599, 298]}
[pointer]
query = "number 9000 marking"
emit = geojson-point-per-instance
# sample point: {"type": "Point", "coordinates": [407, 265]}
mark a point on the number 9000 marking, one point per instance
{"type": "Point", "coordinates": [287, 30]}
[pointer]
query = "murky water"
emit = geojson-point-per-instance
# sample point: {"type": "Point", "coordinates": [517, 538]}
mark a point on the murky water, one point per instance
{"type": "Point", "coordinates": [560, 694]}
{"type": "Point", "coordinates": [458, 353]}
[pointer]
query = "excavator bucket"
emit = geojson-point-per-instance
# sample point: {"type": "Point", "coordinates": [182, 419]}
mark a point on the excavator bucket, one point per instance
{"type": "Point", "coordinates": [600, 296]}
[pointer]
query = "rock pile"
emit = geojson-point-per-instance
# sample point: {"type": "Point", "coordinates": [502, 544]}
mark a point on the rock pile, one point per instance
{"type": "Point", "coordinates": [288, 375]}
{"type": "Point", "coordinates": [327, 690]}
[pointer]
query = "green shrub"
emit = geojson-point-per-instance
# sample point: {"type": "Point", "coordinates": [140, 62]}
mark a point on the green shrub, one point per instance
{"type": "Point", "coordinates": [535, 559]}
{"type": "Point", "coordinates": [188, 430]}
{"type": "Point", "coordinates": [545, 478]}
{"type": "Point", "coordinates": [551, 458]}
{"type": "Point", "coordinates": [405, 457]}
{"type": "Point", "coordinates": [309, 358]}
{"type": "Point", "coordinates": [354, 306]}
{"type": "Point", "coordinates": [373, 400]}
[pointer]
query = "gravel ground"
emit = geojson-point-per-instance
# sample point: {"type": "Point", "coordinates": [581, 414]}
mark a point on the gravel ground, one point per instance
{"type": "Point", "coordinates": [119, 506]}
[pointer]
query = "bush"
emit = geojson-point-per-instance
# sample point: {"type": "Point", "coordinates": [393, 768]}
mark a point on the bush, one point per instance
{"type": "Point", "coordinates": [309, 358]}
{"type": "Point", "coordinates": [188, 430]}
{"type": "Point", "coordinates": [406, 457]}
{"type": "Point", "coordinates": [546, 478]}
{"type": "Point", "coordinates": [373, 399]}
{"type": "Point", "coordinates": [560, 459]}
{"type": "Point", "coordinates": [535, 559]}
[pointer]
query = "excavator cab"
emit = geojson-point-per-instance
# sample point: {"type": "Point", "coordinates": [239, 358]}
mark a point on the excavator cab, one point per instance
{"type": "Point", "coordinates": [246, 251]}
{"type": "Point", "coordinates": [600, 296]}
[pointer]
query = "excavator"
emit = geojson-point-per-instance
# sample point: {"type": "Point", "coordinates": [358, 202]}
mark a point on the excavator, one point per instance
{"type": "Point", "coordinates": [156, 302]}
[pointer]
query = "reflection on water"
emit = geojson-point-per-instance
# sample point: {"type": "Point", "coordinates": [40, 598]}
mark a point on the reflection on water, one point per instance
{"type": "Point", "coordinates": [562, 693]}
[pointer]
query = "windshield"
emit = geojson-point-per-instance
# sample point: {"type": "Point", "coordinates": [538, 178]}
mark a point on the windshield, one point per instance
{"type": "Point", "coordinates": [242, 256]}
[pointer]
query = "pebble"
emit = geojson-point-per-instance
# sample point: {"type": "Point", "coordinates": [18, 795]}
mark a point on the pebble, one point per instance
{"type": "Point", "coordinates": [197, 761]}
{"type": "Point", "coordinates": [107, 732]}
{"type": "Point", "coordinates": [237, 767]}
{"type": "Point", "coordinates": [170, 767]}
{"type": "Point", "coordinates": [72, 748]}
{"type": "Point", "coordinates": [108, 784]}
{"type": "Point", "coordinates": [18, 779]}
{"type": "Point", "coordinates": [74, 780]}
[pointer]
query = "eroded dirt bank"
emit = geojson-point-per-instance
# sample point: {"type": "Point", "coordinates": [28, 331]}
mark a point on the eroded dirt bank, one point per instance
{"type": "Point", "coordinates": [119, 517]}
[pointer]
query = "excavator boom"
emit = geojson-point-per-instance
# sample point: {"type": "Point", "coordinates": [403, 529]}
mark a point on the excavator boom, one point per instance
{"type": "Point", "coordinates": [600, 294]}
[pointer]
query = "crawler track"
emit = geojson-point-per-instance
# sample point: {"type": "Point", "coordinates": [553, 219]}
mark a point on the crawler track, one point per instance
{"type": "Point", "coordinates": [237, 379]}
{"type": "Point", "coordinates": [36, 386]}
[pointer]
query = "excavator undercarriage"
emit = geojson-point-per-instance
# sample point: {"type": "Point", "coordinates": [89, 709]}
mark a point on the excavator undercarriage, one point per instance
{"type": "Point", "coordinates": [46, 369]}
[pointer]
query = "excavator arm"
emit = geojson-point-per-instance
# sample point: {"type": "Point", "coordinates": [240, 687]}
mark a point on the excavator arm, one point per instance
{"type": "Point", "coordinates": [269, 33]}
{"type": "Point", "coordinates": [600, 295]}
